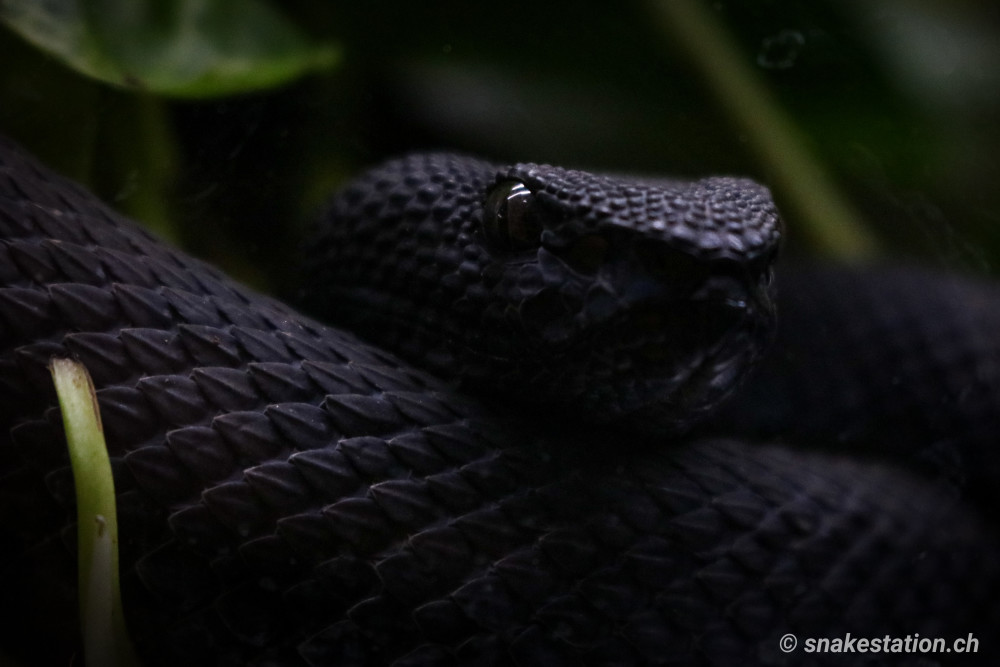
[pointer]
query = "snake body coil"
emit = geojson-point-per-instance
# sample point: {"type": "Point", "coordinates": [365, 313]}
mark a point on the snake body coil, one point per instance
{"type": "Point", "coordinates": [289, 494]}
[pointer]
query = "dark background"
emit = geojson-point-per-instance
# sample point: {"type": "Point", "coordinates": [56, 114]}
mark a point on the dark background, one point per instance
{"type": "Point", "coordinates": [896, 102]}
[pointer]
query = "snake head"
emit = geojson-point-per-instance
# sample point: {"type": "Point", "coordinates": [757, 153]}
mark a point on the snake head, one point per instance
{"type": "Point", "coordinates": [614, 298]}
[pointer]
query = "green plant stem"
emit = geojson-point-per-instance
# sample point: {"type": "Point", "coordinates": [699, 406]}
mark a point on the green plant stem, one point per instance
{"type": "Point", "coordinates": [829, 221]}
{"type": "Point", "coordinates": [105, 638]}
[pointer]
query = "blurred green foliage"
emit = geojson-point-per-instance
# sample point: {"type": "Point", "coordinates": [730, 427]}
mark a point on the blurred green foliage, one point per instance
{"type": "Point", "coordinates": [896, 103]}
{"type": "Point", "coordinates": [185, 48]}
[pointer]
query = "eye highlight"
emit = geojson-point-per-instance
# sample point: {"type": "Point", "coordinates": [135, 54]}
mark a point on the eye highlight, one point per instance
{"type": "Point", "coordinates": [509, 218]}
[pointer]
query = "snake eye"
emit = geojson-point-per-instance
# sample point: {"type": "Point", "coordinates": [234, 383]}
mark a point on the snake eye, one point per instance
{"type": "Point", "coordinates": [509, 217]}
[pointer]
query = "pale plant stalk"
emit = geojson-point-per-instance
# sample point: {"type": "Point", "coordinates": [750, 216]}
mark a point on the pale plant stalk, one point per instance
{"type": "Point", "coordinates": [105, 639]}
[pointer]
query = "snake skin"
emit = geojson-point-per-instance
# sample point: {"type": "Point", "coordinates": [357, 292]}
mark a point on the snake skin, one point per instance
{"type": "Point", "coordinates": [291, 495]}
{"type": "Point", "coordinates": [896, 362]}
{"type": "Point", "coordinates": [641, 303]}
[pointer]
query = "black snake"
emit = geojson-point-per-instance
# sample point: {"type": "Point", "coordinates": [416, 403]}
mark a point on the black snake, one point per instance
{"type": "Point", "coordinates": [289, 494]}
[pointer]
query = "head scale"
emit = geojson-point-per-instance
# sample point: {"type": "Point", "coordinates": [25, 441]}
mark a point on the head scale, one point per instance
{"type": "Point", "coordinates": [617, 298]}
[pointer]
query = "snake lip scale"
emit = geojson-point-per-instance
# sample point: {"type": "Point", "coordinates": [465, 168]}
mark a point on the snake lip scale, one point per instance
{"type": "Point", "coordinates": [289, 494]}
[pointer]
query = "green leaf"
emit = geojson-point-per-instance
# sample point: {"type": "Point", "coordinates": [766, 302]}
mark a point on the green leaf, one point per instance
{"type": "Point", "coordinates": [105, 639]}
{"type": "Point", "coordinates": [183, 48]}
